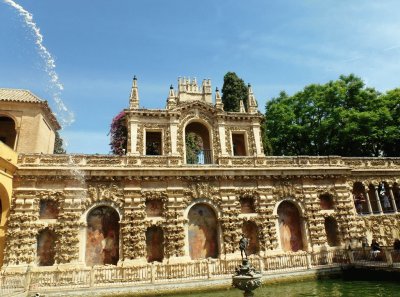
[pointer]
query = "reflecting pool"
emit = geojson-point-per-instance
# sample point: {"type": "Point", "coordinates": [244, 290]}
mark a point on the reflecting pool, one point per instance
{"type": "Point", "coordinates": [322, 288]}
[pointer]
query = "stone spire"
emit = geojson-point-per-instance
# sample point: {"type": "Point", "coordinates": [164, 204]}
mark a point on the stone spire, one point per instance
{"type": "Point", "coordinates": [241, 106]}
{"type": "Point", "coordinates": [171, 100]}
{"type": "Point", "coordinates": [218, 101]}
{"type": "Point", "coordinates": [134, 97]}
{"type": "Point", "coordinates": [251, 101]}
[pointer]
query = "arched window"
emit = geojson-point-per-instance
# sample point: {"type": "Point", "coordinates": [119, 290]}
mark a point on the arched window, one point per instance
{"type": "Point", "coordinates": [250, 231]}
{"type": "Point", "coordinates": [203, 232]}
{"type": "Point", "coordinates": [384, 196]}
{"type": "Point", "coordinates": [197, 144]}
{"type": "Point", "coordinates": [102, 241]}
{"type": "Point", "coordinates": [332, 231]}
{"type": "Point", "coordinates": [155, 244]}
{"type": "Point", "coordinates": [8, 132]}
{"type": "Point", "coordinates": [326, 201]}
{"type": "Point", "coordinates": [360, 198]}
{"type": "Point", "coordinates": [46, 247]}
{"type": "Point", "coordinates": [290, 227]}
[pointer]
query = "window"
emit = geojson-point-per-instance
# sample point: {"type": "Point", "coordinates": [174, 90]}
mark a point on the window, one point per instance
{"type": "Point", "coordinates": [239, 144]}
{"type": "Point", "coordinates": [153, 143]}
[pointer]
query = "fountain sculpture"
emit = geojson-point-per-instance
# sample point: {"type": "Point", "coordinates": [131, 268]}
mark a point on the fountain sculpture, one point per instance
{"type": "Point", "coordinates": [246, 278]}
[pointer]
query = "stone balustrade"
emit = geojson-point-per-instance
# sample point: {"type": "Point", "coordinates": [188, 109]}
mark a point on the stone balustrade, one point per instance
{"type": "Point", "coordinates": [89, 161]}
{"type": "Point", "coordinates": [54, 278]}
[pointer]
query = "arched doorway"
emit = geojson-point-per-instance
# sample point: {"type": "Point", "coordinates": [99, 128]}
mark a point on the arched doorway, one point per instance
{"type": "Point", "coordinates": [8, 133]}
{"type": "Point", "coordinates": [46, 247]}
{"type": "Point", "coordinates": [250, 231]}
{"type": "Point", "coordinates": [102, 241]}
{"type": "Point", "coordinates": [290, 227]}
{"type": "Point", "coordinates": [202, 232]}
{"type": "Point", "coordinates": [332, 231]}
{"type": "Point", "coordinates": [155, 244]}
{"type": "Point", "coordinates": [197, 144]}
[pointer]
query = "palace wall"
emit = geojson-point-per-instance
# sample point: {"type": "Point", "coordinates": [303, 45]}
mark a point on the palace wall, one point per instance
{"type": "Point", "coordinates": [63, 202]}
{"type": "Point", "coordinates": [8, 159]}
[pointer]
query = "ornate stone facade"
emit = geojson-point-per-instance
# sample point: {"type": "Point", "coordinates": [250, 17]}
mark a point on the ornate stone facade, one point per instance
{"type": "Point", "coordinates": [226, 184]}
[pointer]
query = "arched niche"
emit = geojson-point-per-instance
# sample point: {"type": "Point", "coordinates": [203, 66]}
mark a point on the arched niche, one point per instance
{"type": "Point", "coordinates": [202, 232]}
{"type": "Point", "coordinates": [332, 231]}
{"type": "Point", "coordinates": [154, 207]}
{"type": "Point", "coordinates": [360, 199]}
{"type": "Point", "coordinates": [48, 209]}
{"type": "Point", "coordinates": [102, 237]}
{"type": "Point", "coordinates": [290, 227]}
{"type": "Point", "coordinates": [8, 132]}
{"type": "Point", "coordinates": [198, 145]}
{"type": "Point", "coordinates": [247, 205]}
{"type": "Point", "coordinates": [46, 247]}
{"type": "Point", "coordinates": [326, 201]}
{"type": "Point", "coordinates": [250, 231]}
{"type": "Point", "coordinates": [155, 244]}
{"type": "Point", "coordinates": [384, 195]}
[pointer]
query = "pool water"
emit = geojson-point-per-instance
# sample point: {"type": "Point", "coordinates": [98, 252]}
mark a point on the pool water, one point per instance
{"type": "Point", "coordinates": [322, 288]}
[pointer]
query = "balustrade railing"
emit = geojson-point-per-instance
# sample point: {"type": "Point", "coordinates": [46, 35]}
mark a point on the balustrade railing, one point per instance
{"type": "Point", "coordinates": [39, 279]}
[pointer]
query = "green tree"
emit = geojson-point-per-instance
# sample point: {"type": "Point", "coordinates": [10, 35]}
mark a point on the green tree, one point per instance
{"type": "Point", "coordinates": [233, 90]}
{"type": "Point", "coordinates": [341, 117]}
{"type": "Point", "coordinates": [58, 145]}
{"type": "Point", "coordinates": [194, 144]}
{"type": "Point", "coordinates": [391, 146]}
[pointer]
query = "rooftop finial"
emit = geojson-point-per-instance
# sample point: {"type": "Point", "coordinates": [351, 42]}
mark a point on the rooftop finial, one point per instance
{"type": "Point", "coordinates": [134, 97]}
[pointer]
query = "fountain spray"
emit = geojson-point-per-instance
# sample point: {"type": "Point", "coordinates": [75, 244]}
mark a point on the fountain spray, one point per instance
{"type": "Point", "coordinates": [65, 116]}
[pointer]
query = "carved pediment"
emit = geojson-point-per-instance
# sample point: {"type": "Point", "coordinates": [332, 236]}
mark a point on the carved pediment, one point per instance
{"type": "Point", "coordinates": [202, 191]}
{"type": "Point", "coordinates": [103, 192]}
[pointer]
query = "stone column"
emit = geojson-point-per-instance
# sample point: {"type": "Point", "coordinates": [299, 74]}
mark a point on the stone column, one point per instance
{"type": "Point", "coordinates": [222, 136]}
{"type": "Point", "coordinates": [133, 137]}
{"type": "Point", "coordinates": [392, 199]}
{"type": "Point", "coordinates": [378, 198]}
{"type": "Point", "coordinates": [257, 140]}
{"type": "Point", "coordinates": [174, 136]}
{"type": "Point", "coordinates": [368, 202]}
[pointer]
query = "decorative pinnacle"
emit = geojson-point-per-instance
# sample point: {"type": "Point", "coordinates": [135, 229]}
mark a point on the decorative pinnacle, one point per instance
{"type": "Point", "coordinates": [216, 89]}
{"type": "Point", "coordinates": [134, 77]}
{"type": "Point", "coordinates": [171, 87]}
{"type": "Point", "coordinates": [249, 85]}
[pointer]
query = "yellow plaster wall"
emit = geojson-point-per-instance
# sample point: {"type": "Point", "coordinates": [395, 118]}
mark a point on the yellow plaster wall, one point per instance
{"type": "Point", "coordinates": [8, 159]}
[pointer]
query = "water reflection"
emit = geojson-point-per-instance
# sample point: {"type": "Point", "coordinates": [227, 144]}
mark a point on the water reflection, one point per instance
{"type": "Point", "coordinates": [323, 288]}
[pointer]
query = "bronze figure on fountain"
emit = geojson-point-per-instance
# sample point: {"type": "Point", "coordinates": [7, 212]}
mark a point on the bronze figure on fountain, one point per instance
{"type": "Point", "coordinates": [246, 278]}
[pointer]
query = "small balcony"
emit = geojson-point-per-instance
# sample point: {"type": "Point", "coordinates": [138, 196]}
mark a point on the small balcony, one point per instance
{"type": "Point", "coordinates": [201, 157]}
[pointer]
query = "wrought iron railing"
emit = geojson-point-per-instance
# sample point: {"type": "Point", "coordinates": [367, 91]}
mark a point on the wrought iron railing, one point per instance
{"type": "Point", "coordinates": [201, 158]}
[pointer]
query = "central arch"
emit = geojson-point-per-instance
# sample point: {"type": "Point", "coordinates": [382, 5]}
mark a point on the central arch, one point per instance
{"type": "Point", "coordinates": [202, 232]}
{"type": "Point", "coordinates": [102, 241]}
{"type": "Point", "coordinates": [198, 144]}
{"type": "Point", "coordinates": [290, 227]}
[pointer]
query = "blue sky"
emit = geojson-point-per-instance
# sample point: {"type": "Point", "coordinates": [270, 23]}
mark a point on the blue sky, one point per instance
{"type": "Point", "coordinates": [274, 45]}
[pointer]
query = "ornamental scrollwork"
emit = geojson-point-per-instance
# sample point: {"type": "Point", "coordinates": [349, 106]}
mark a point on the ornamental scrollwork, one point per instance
{"type": "Point", "coordinates": [202, 191]}
{"type": "Point", "coordinates": [103, 192]}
